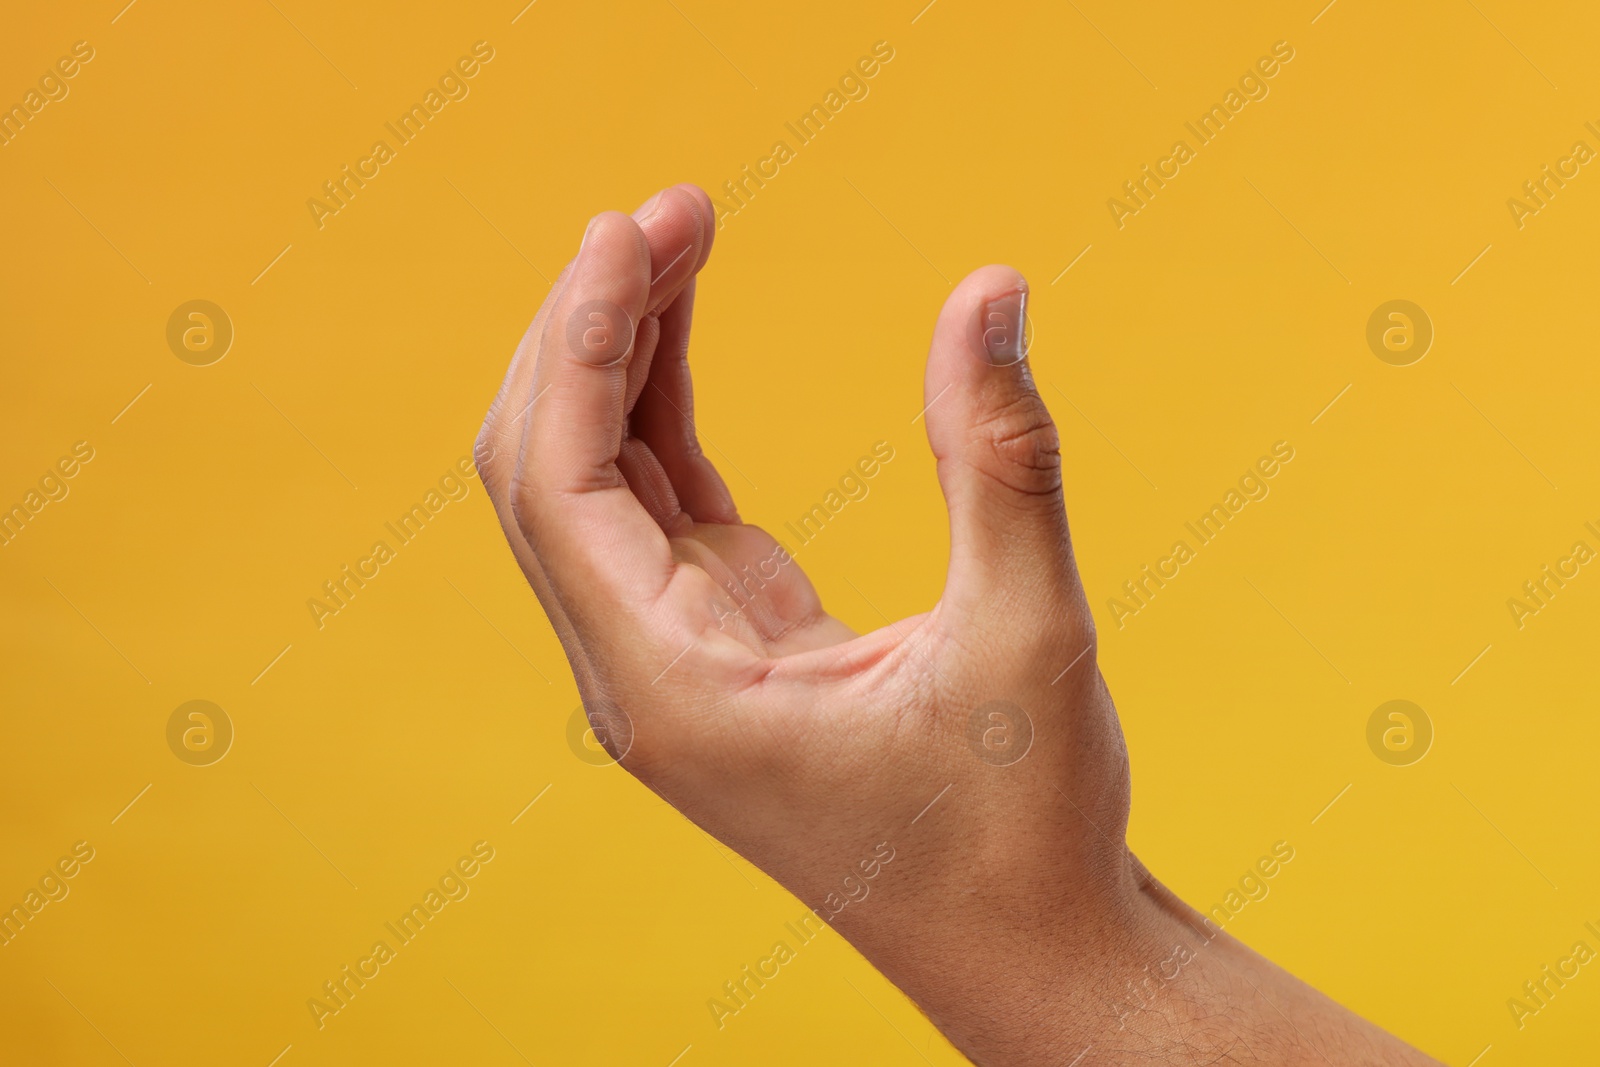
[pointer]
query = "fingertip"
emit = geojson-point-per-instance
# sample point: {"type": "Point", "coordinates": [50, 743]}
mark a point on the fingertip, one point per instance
{"type": "Point", "coordinates": [649, 209]}
{"type": "Point", "coordinates": [708, 218]}
{"type": "Point", "coordinates": [702, 201]}
{"type": "Point", "coordinates": [613, 262]}
{"type": "Point", "coordinates": [673, 223]}
{"type": "Point", "coordinates": [991, 303]}
{"type": "Point", "coordinates": [615, 231]}
{"type": "Point", "coordinates": [982, 326]}
{"type": "Point", "coordinates": [994, 277]}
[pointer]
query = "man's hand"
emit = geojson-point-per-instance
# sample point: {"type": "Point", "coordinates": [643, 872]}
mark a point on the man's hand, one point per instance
{"type": "Point", "coordinates": [976, 743]}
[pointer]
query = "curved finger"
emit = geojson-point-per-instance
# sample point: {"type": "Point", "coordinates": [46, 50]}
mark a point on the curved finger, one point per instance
{"type": "Point", "coordinates": [678, 229]}
{"type": "Point", "coordinates": [570, 500]}
{"type": "Point", "coordinates": [664, 419]}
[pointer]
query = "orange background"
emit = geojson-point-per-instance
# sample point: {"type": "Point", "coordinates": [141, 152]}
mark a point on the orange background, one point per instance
{"type": "Point", "coordinates": [369, 755]}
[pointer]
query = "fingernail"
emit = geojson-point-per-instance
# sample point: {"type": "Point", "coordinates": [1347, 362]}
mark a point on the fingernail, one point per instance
{"type": "Point", "coordinates": [1004, 328]}
{"type": "Point", "coordinates": [587, 231]}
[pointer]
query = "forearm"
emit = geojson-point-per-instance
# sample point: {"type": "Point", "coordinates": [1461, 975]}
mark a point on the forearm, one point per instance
{"type": "Point", "coordinates": [1144, 980]}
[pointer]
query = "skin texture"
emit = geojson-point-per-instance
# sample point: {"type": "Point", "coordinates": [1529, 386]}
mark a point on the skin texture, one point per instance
{"type": "Point", "coordinates": [977, 742]}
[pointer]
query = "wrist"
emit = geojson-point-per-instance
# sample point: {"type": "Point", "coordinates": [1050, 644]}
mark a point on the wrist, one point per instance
{"type": "Point", "coordinates": [1123, 967]}
{"type": "Point", "coordinates": [1011, 969]}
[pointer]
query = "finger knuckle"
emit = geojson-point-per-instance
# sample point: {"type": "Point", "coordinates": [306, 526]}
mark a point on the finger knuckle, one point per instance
{"type": "Point", "coordinates": [1021, 446]}
{"type": "Point", "coordinates": [525, 511]}
{"type": "Point", "coordinates": [487, 454]}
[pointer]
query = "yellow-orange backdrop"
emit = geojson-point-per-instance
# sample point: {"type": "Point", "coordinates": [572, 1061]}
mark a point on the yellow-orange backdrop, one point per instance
{"type": "Point", "coordinates": [370, 753]}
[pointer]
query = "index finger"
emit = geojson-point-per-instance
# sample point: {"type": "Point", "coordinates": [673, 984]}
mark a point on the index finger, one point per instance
{"type": "Point", "coordinates": [570, 500]}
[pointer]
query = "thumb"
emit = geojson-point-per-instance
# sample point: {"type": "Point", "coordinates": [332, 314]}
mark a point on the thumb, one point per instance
{"type": "Point", "coordinates": [1012, 573]}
